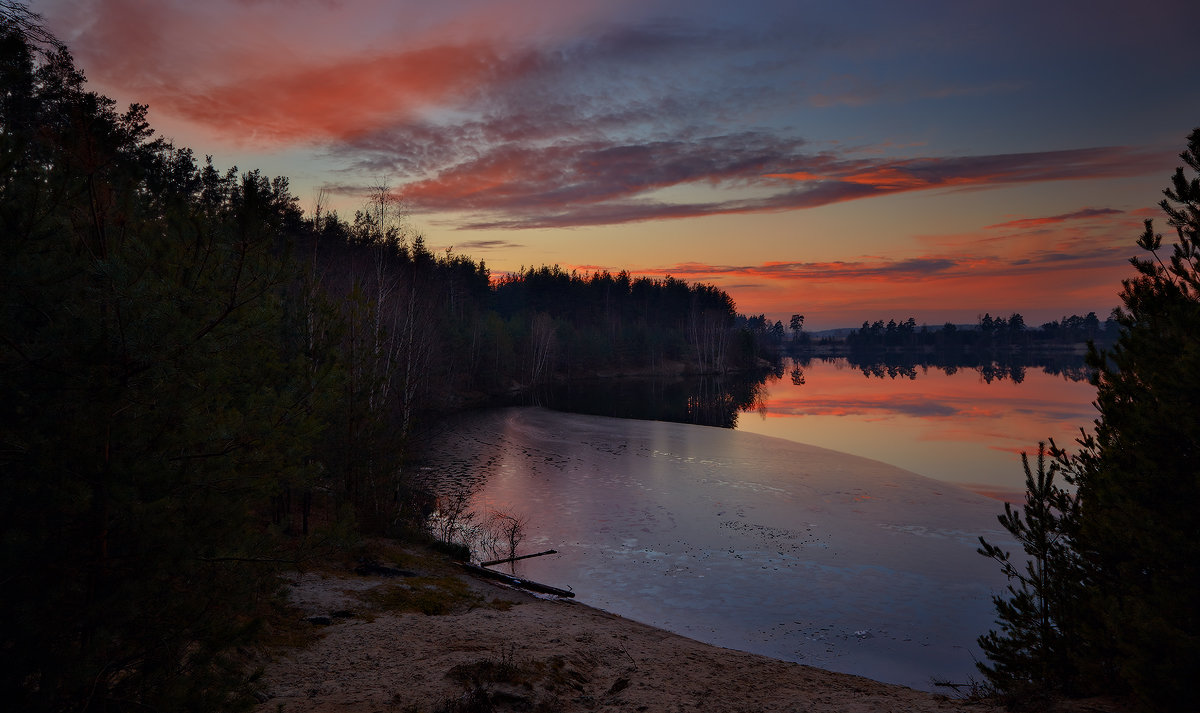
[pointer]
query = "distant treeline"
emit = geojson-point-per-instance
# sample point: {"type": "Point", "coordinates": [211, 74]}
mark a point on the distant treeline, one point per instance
{"type": "Point", "coordinates": [991, 335]}
{"type": "Point", "coordinates": [494, 335]}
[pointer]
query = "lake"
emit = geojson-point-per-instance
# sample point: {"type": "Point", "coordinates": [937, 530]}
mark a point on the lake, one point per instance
{"type": "Point", "coordinates": [809, 533]}
{"type": "Point", "coordinates": [967, 427]}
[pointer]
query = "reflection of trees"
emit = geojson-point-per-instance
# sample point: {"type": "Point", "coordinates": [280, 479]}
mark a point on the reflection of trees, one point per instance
{"type": "Point", "coordinates": [710, 403]}
{"type": "Point", "coordinates": [880, 370]}
{"type": "Point", "coordinates": [909, 366]}
{"type": "Point", "coordinates": [717, 400]}
{"type": "Point", "coordinates": [703, 400]}
{"type": "Point", "coordinates": [797, 375]}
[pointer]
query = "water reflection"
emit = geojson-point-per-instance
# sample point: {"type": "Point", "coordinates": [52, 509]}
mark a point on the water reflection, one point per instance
{"type": "Point", "coordinates": [703, 400]}
{"type": "Point", "coordinates": [907, 365]}
{"type": "Point", "coordinates": [759, 544]}
{"type": "Point", "coordinates": [961, 424]}
{"type": "Point", "coordinates": [962, 421]}
{"type": "Point", "coordinates": [753, 543]}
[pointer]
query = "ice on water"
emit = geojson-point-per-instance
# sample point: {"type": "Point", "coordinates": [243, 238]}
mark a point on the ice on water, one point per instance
{"type": "Point", "coordinates": [744, 541]}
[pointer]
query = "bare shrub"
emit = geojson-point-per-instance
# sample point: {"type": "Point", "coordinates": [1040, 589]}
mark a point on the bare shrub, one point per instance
{"type": "Point", "coordinates": [496, 536]}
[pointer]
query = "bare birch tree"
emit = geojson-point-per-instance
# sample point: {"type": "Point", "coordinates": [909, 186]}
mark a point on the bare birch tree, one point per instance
{"type": "Point", "coordinates": [709, 333]}
{"type": "Point", "coordinates": [542, 343]}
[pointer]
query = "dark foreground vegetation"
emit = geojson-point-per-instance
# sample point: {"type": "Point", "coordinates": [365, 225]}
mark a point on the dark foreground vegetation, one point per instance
{"type": "Point", "coordinates": [1104, 599]}
{"type": "Point", "coordinates": [201, 384]}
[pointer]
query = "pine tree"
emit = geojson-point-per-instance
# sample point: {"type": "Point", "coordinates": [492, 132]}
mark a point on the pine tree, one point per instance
{"type": "Point", "coordinates": [1121, 598]}
{"type": "Point", "coordinates": [1139, 473]}
{"type": "Point", "coordinates": [147, 409]}
{"type": "Point", "coordinates": [1030, 652]}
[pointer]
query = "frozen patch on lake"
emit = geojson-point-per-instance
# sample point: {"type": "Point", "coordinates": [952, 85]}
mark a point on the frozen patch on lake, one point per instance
{"type": "Point", "coordinates": [744, 541]}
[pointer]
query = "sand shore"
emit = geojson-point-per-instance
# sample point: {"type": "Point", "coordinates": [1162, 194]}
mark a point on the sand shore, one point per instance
{"type": "Point", "coordinates": [507, 649]}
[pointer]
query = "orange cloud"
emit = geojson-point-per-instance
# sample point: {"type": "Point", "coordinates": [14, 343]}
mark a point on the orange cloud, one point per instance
{"type": "Point", "coordinates": [800, 176]}
{"type": "Point", "coordinates": [901, 175]}
{"type": "Point", "coordinates": [595, 181]}
{"type": "Point", "coordinates": [342, 99]}
{"type": "Point", "coordinates": [896, 178]}
{"type": "Point", "coordinates": [519, 113]}
{"type": "Point", "coordinates": [1071, 272]}
{"type": "Point", "coordinates": [256, 73]}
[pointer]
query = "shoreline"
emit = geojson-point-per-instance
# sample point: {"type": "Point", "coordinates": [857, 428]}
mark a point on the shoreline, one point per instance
{"type": "Point", "coordinates": [742, 540]}
{"type": "Point", "coordinates": [512, 650]}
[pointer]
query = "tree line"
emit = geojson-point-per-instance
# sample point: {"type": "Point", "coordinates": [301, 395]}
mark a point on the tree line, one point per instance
{"type": "Point", "coordinates": [988, 335]}
{"type": "Point", "coordinates": [202, 383]}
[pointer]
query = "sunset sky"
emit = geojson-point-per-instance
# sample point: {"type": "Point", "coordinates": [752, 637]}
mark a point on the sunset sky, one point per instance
{"type": "Point", "coordinates": [848, 161]}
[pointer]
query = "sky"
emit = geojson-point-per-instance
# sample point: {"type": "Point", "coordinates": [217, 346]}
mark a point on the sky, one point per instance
{"type": "Point", "coordinates": [847, 161]}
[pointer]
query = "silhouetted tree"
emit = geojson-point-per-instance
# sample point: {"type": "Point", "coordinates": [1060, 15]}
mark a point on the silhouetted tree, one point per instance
{"type": "Point", "coordinates": [149, 409]}
{"type": "Point", "coordinates": [1029, 656]}
{"type": "Point", "coordinates": [1134, 627]}
{"type": "Point", "coordinates": [1138, 478]}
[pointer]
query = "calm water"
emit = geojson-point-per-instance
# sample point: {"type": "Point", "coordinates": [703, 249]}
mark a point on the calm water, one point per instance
{"type": "Point", "coordinates": [752, 540]}
{"type": "Point", "coordinates": [959, 428]}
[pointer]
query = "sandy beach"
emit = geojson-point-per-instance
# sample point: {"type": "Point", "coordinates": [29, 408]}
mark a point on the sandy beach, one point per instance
{"type": "Point", "coordinates": [752, 527]}
{"type": "Point", "coordinates": [499, 648]}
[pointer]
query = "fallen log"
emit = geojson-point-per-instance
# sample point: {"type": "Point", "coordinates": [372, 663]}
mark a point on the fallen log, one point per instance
{"type": "Point", "coordinates": [514, 559]}
{"type": "Point", "coordinates": [516, 581]}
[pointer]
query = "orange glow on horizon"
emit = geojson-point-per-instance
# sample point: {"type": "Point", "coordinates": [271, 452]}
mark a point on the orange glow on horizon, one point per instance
{"type": "Point", "coordinates": [931, 289]}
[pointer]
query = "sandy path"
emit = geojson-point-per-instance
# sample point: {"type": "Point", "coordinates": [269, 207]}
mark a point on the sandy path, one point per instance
{"type": "Point", "coordinates": [520, 652]}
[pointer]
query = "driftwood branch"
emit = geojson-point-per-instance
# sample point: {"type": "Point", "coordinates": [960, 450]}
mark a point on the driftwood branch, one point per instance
{"type": "Point", "coordinates": [516, 581]}
{"type": "Point", "coordinates": [514, 559]}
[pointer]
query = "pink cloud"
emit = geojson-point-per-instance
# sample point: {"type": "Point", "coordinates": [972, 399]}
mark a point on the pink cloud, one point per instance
{"type": "Point", "coordinates": [521, 114]}
{"type": "Point", "coordinates": [342, 99]}
{"type": "Point", "coordinates": [948, 172]}
{"type": "Point", "coordinates": [278, 74]}
{"type": "Point", "coordinates": [566, 184]}
{"type": "Point", "coordinates": [1023, 223]}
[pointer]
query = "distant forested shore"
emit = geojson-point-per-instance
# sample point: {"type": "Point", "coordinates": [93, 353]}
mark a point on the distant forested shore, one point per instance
{"type": "Point", "coordinates": [988, 338]}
